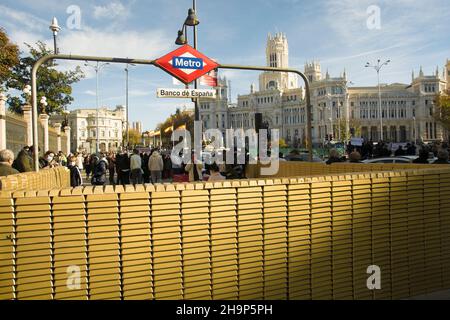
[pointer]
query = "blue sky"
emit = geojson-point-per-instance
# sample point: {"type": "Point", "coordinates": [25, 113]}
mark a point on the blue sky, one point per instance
{"type": "Point", "coordinates": [411, 33]}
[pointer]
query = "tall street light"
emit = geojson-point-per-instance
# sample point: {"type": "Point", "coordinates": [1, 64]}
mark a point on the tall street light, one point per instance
{"type": "Point", "coordinates": [97, 67]}
{"type": "Point", "coordinates": [127, 126]}
{"type": "Point", "coordinates": [377, 68]}
{"type": "Point", "coordinates": [331, 117]}
{"type": "Point", "coordinates": [191, 21]}
{"type": "Point", "coordinates": [55, 28]}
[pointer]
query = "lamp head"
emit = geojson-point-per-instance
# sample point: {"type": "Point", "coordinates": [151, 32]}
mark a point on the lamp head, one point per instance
{"type": "Point", "coordinates": [27, 89]}
{"type": "Point", "coordinates": [191, 19]}
{"type": "Point", "coordinates": [181, 39]}
{"type": "Point", "coordinates": [54, 26]}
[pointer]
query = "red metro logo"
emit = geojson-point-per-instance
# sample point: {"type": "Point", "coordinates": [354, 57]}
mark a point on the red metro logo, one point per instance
{"type": "Point", "coordinates": [186, 64]}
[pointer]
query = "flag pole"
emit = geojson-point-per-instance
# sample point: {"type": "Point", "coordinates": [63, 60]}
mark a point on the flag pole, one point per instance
{"type": "Point", "coordinates": [173, 142]}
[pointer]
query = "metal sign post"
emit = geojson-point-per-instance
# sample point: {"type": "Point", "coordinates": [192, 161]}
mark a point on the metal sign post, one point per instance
{"type": "Point", "coordinates": [46, 58]}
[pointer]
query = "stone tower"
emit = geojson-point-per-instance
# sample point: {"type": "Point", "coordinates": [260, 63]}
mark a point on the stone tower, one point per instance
{"type": "Point", "coordinates": [277, 52]}
{"type": "Point", "coordinates": [312, 71]}
{"type": "Point", "coordinates": [277, 56]}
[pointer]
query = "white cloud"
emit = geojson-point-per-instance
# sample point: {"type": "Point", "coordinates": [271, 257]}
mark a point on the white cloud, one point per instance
{"type": "Point", "coordinates": [90, 93]}
{"type": "Point", "coordinates": [139, 93]}
{"type": "Point", "coordinates": [22, 19]}
{"type": "Point", "coordinates": [133, 44]}
{"type": "Point", "coordinates": [111, 11]}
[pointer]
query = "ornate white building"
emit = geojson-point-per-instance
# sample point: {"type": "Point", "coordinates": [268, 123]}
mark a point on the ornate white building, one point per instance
{"type": "Point", "coordinates": [83, 124]}
{"type": "Point", "coordinates": [407, 109]}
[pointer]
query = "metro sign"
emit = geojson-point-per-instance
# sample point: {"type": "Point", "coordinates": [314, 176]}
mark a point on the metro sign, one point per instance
{"type": "Point", "coordinates": [186, 64]}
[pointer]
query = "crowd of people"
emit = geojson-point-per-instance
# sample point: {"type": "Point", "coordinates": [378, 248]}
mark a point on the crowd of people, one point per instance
{"type": "Point", "coordinates": [121, 167]}
{"type": "Point", "coordinates": [155, 166]}
{"type": "Point", "coordinates": [438, 152]}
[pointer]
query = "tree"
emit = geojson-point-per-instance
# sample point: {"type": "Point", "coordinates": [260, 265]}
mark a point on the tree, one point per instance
{"type": "Point", "coordinates": [442, 110]}
{"type": "Point", "coordinates": [135, 137]}
{"type": "Point", "coordinates": [179, 118]}
{"type": "Point", "coordinates": [9, 57]}
{"type": "Point", "coordinates": [55, 85]}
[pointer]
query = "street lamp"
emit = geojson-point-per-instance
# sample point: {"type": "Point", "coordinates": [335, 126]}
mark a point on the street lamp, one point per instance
{"type": "Point", "coordinates": [44, 104]}
{"type": "Point", "coordinates": [331, 116]}
{"type": "Point", "coordinates": [97, 67]}
{"type": "Point", "coordinates": [55, 28]}
{"type": "Point", "coordinates": [377, 68]}
{"type": "Point", "coordinates": [27, 91]}
{"type": "Point", "coordinates": [191, 21]}
{"type": "Point", "coordinates": [127, 126]}
{"type": "Point", "coordinates": [66, 118]}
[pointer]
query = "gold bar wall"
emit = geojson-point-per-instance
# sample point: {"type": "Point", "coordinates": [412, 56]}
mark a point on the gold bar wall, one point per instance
{"type": "Point", "coordinates": [280, 238]}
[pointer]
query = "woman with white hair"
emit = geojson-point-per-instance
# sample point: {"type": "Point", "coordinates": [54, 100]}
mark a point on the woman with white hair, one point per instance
{"type": "Point", "coordinates": [6, 161]}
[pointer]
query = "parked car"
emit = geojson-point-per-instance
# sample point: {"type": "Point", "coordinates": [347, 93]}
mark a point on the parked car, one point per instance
{"type": "Point", "coordinates": [302, 157]}
{"type": "Point", "coordinates": [389, 160]}
{"type": "Point", "coordinates": [412, 158]}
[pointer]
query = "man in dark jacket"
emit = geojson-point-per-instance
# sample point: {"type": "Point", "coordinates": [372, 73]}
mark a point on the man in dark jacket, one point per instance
{"type": "Point", "coordinates": [24, 161]}
{"type": "Point", "coordinates": [423, 157]}
{"type": "Point", "coordinates": [123, 168]}
{"type": "Point", "coordinates": [99, 174]}
{"type": "Point", "coordinates": [6, 161]}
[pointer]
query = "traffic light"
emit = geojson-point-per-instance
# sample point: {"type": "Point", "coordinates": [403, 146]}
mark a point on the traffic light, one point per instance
{"type": "Point", "coordinates": [352, 131]}
{"type": "Point", "coordinates": [326, 137]}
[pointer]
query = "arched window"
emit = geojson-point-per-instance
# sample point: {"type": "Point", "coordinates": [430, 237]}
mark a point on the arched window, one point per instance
{"type": "Point", "coordinates": [272, 84]}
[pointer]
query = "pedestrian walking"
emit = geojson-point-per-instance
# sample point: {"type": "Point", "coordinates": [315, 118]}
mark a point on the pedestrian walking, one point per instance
{"type": "Point", "coordinates": [136, 167]}
{"type": "Point", "coordinates": [156, 166]}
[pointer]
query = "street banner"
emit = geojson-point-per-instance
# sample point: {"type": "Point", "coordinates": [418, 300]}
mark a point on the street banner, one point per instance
{"type": "Point", "coordinates": [357, 142]}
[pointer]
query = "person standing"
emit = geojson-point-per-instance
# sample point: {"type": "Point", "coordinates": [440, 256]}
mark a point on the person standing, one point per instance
{"type": "Point", "coordinates": [442, 157]}
{"type": "Point", "coordinates": [75, 174]}
{"type": "Point", "coordinates": [87, 165]}
{"type": "Point", "coordinates": [136, 167]}
{"type": "Point", "coordinates": [215, 173]}
{"type": "Point", "coordinates": [99, 173]}
{"type": "Point", "coordinates": [111, 167]}
{"type": "Point", "coordinates": [156, 166]}
{"type": "Point", "coordinates": [48, 160]}
{"type": "Point", "coordinates": [167, 167]}
{"type": "Point", "coordinates": [79, 161]}
{"type": "Point", "coordinates": [194, 169]}
{"type": "Point", "coordinates": [423, 156]}
{"type": "Point", "coordinates": [6, 161]}
{"type": "Point", "coordinates": [145, 159]}
{"type": "Point", "coordinates": [24, 160]}
{"type": "Point", "coordinates": [123, 168]}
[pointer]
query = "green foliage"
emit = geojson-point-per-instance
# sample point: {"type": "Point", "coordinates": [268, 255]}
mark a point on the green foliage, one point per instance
{"type": "Point", "coordinates": [442, 110]}
{"type": "Point", "coordinates": [55, 85]}
{"type": "Point", "coordinates": [9, 57]}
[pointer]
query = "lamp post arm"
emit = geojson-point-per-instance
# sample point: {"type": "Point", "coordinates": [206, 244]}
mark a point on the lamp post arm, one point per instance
{"type": "Point", "coordinates": [46, 58]}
